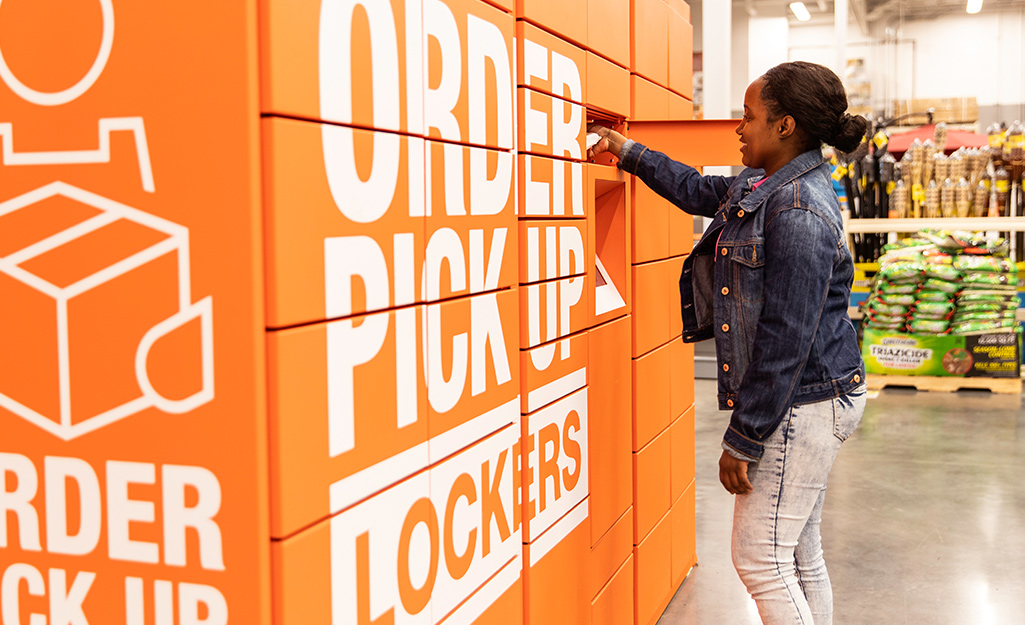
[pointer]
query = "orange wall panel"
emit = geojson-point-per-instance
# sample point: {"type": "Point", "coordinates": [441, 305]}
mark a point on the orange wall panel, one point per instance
{"type": "Point", "coordinates": [549, 187]}
{"type": "Point", "coordinates": [650, 213]}
{"type": "Point", "coordinates": [609, 431]}
{"type": "Point", "coordinates": [651, 407]}
{"type": "Point", "coordinates": [649, 40]}
{"type": "Point", "coordinates": [131, 313]}
{"type": "Point", "coordinates": [653, 572]}
{"type": "Point", "coordinates": [550, 126]}
{"type": "Point", "coordinates": [552, 371]}
{"type": "Point", "coordinates": [549, 64]}
{"type": "Point", "coordinates": [607, 86]}
{"type": "Point", "coordinates": [652, 286]}
{"type": "Point", "coordinates": [559, 17]}
{"type": "Point", "coordinates": [652, 489]}
{"type": "Point", "coordinates": [648, 101]}
{"type": "Point", "coordinates": [432, 75]}
{"type": "Point", "coordinates": [606, 21]}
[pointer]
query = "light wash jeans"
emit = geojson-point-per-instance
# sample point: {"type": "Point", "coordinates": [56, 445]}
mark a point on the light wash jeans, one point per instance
{"type": "Point", "coordinates": [777, 548]}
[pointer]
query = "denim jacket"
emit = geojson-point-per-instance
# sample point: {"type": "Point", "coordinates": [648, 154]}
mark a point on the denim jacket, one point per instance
{"type": "Point", "coordinates": [770, 279]}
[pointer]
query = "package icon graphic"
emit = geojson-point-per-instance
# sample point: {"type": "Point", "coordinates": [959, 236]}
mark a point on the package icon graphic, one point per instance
{"type": "Point", "coordinates": [88, 288]}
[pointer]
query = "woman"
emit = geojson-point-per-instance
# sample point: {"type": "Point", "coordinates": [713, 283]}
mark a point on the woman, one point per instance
{"type": "Point", "coordinates": [770, 280]}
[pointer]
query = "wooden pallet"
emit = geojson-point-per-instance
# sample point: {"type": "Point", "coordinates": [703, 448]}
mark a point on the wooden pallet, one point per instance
{"type": "Point", "coordinates": [944, 384]}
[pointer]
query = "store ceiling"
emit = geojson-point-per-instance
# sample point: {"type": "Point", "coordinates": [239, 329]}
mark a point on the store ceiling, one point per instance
{"type": "Point", "coordinates": [870, 12]}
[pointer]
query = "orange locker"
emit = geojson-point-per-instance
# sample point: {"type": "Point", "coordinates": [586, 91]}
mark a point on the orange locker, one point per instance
{"type": "Point", "coordinates": [608, 554]}
{"type": "Point", "coordinates": [553, 310]}
{"type": "Point", "coordinates": [648, 101]}
{"type": "Point", "coordinates": [680, 108]}
{"type": "Point", "coordinates": [446, 74]}
{"type": "Point", "coordinates": [681, 231]}
{"type": "Point", "coordinates": [608, 195]}
{"type": "Point", "coordinates": [684, 552]}
{"type": "Point", "coordinates": [614, 604]}
{"type": "Point", "coordinates": [555, 590]}
{"type": "Point", "coordinates": [607, 86]}
{"type": "Point", "coordinates": [606, 20]}
{"type": "Point", "coordinates": [563, 18]}
{"type": "Point", "coordinates": [609, 401]}
{"type": "Point", "coordinates": [653, 573]}
{"type": "Point", "coordinates": [549, 64]}
{"type": "Point", "coordinates": [652, 377]}
{"type": "Point", "coordinates": [344, 220]}
{"type": "Point", "coordinates": [652, 488]}
{"type": "Point", "coordinates": [549, 187]}
{"type": "Point", "coordinates": [650, 224]}
{"type": "Point", "coordinates": [681, 449]}
{"type": "Point", "coordinates": [554, 464]}
{"type": "Point", "coordinates": [552, 249]}
{"type": "Point", "coordinates": [649, 40]}
{"type": "Point", "coordinates": [552, 371]}
{"type": "Point", "coordinates": [550, 126]}
{"type": "Point", "coordinates": [653, 285]}
{"type": "Point", "coordinates": [681, 59]}
{"type": "Point", "coordinates": [681, 372]}
{"type": "Point", "coordinates": [359, 404]}
{"type": "Point", "coordinates": [471, 227]}
{"type": "Point", "coordinates": [673, 271]}
{"type": "Point", "coordinates": [444, 541]}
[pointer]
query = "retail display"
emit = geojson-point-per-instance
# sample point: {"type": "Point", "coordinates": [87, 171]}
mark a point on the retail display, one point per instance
{"type": "Point", "coordinates": [939, 282]}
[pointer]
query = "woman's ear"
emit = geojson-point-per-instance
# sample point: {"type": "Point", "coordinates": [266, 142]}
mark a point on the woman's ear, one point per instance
{"type": "Point", "coordinates": [787, 126]}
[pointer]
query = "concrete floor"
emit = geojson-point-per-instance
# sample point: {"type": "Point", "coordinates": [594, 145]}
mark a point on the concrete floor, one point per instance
{"type": "Point", "coordinates": [924, 520]}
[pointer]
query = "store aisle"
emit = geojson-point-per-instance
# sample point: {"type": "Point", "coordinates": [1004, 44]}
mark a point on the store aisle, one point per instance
{"type": "Point", "coordinates": [924, 519]}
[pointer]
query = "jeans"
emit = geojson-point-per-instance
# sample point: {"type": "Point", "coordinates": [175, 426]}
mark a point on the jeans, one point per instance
{"type": "Point", "coordinates": [777, 548]}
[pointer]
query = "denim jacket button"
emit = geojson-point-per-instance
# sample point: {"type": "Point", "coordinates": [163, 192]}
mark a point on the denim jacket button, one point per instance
{"type": "Point", "coordinates": [740, 213]}
{"type": "Point", "coordinates": [725, 291]}
{"type": "Point", "coordinates": [725, 327]}
{"type": "Point", "coordinates": [857, 378]}
{"type": "Point", "coordinates": [724, 252]}
{"type": "Point", "coordinates": [725, 367]}
{"type": "Point", "coordinates": [729, 402]}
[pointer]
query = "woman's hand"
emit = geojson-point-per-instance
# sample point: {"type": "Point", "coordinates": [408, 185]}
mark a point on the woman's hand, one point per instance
{"type": "Point", "coordinates": [733, 475]}
{"type": "Point", "coordinates": [609, 141]}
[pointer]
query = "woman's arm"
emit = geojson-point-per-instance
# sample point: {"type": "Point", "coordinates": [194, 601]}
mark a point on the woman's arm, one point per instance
{"type": "Point", "coordinates": [680, 184]}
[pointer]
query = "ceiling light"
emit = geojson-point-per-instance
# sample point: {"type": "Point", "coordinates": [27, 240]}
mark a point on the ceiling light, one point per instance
{"type": "Point", "coordinates": [800, 11]}
{"type": "Point", "coordinates": [974, 6]}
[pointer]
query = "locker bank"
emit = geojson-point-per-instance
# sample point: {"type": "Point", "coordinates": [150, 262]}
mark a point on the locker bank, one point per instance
{"type": "Point", "coordinates": [313, 311]}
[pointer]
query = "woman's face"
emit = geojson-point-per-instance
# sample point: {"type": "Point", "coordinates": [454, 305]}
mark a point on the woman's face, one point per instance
{"type": "Point", "coordinates": [759, 141]}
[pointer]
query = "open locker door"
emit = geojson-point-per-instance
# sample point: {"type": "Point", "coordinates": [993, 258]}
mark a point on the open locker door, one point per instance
{"type": "Point", "coordinates": [698, 143]}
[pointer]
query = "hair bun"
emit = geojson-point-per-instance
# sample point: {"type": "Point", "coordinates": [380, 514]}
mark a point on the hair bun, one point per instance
{"type": "Point", "coordinates": [851, 129]}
